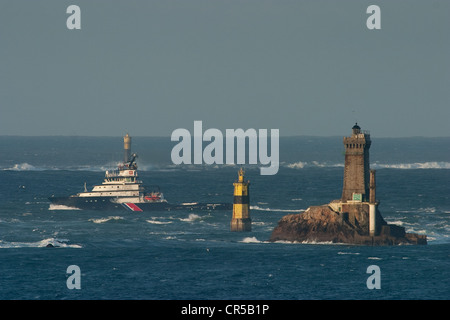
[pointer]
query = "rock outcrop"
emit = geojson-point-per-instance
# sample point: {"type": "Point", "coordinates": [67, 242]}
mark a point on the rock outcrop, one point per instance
{"type": "Point", "coordinates": [323, 224]}
{"type": "Point", "coordinates": [354, 218]}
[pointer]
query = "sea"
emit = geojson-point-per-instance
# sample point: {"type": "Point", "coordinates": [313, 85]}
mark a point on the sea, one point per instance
{"type": "Point", "coordinates": [193, 255]}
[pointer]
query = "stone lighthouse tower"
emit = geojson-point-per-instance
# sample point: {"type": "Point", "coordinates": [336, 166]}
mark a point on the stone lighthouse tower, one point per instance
{"type": "Point", "coordinates": [357, 168]}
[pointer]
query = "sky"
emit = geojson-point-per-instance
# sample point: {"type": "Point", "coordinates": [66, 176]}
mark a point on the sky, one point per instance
{"type": "Point", "coordinates": [150, 67]}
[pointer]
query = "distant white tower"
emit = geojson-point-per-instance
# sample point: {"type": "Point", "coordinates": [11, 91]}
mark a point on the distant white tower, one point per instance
{"type": "Point", "coordinates": [127, 147]}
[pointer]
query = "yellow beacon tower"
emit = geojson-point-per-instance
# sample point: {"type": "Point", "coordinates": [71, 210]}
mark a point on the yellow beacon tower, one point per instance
{"type": "Point", "coordinates": [241, 205]}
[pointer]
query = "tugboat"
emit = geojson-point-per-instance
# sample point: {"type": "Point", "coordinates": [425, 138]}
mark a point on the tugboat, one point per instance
{"type": "Point", "coordinates": [121, 189]}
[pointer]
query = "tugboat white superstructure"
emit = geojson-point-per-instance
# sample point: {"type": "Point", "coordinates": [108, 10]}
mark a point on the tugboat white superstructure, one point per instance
{"type": "Point", "coordinates": [121, 189]}
{"type": "Point", "coordinates": [121, 186]}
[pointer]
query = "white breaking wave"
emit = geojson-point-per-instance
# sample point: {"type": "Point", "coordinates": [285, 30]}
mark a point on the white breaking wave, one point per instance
{"type": "Point", "coordinates": [29, 167]}
{"type": "Point", "coordinates": [170, 238]}
{"type": "Point", "coordinates": [153, 221]}
{"type": "Point", "coordinates": [351, 253]}
{"type": "Point", "coordinates": [94, 168]}
{"type": "Point", "coordinates": [168, 167]}
{"type": "Point", "coordinates": [23, 167]}
{"type": "Point", "coordinates": [395, 222]}
{"type": "Point", "coordinates": [419, 210]}
{"type": "Point", "coordinates": [313, 164]}
{"type": "Point", "coordinates": [415, 165]}
{"type": "Point", "coordinates": [277, 210]}
{"type": "Point", "coordinates": [251, 240]}
{"type": "Point", "coordinates": [192, 217]}
{"type": "Point", "coordinates": [308, 242]}
{"type": "Point", "coordinates": [39, 244]}
{"type": "Point", "coordinates": [297, 165]}
{"type": "Point", "coordinates": [427, 210]}
{"type": "Point", "coordinates": [61, 207]}
{"type": "Point", "coordinates": [103, 220]}
{"type": "Point", "coordinates": [321, 242]}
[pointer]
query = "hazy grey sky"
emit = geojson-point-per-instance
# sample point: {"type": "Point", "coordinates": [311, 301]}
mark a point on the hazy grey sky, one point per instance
{"type": "Point", "coordinates": [150, 67]}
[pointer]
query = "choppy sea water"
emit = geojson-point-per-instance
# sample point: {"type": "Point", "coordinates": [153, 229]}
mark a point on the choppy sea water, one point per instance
{"type": "Point", "coordinates": [193, 255]}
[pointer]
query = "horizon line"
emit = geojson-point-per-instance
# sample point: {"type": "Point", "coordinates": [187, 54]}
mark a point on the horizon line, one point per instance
{"type": "Point", "coordinates": [168, 136]}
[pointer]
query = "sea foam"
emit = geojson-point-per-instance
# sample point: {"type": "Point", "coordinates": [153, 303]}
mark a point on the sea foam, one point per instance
{"type": "Point", "coordinates": [252, 240]}
{"type": "Point", "coordinates": [154, 221]}
{"type": "Point", "coordinates": [277, 210]}
{"type": "Point", "coordinates": [103, 220]}
{"type": "Point", "coordinates": [61, 207]}
{"type": "Point", "coordinates": [61, 243]}
{"type": "Point", "coordinates": [192, 217]}
{"type": "Point", "coordinates": [415, 165]}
